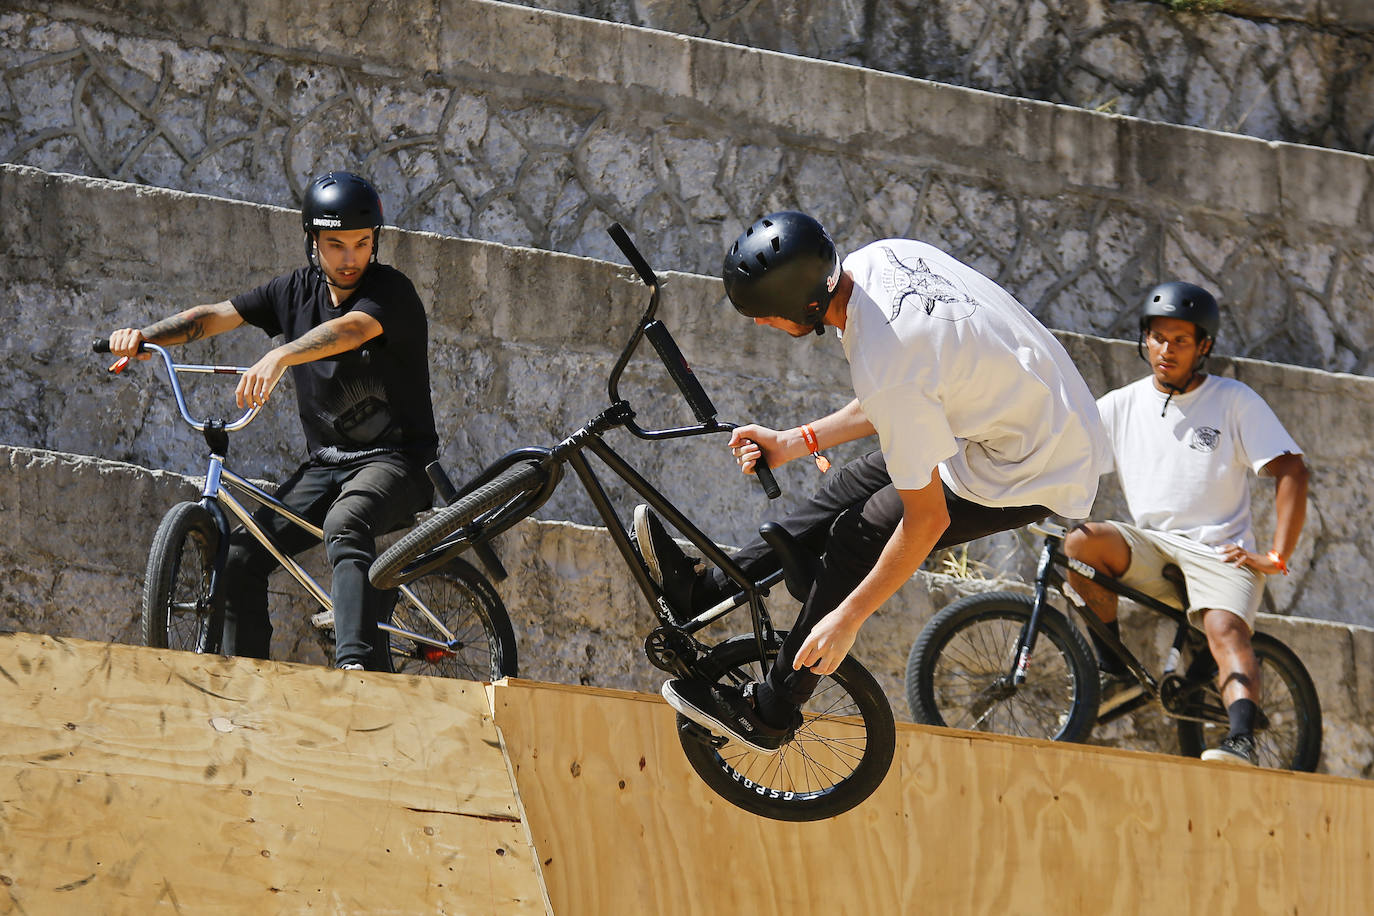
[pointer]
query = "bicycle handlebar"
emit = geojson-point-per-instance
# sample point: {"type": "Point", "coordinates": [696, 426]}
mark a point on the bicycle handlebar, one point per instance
{"type": "Point", "coordinates": [627, 247]}
{"type": "Point", "coordinates": [102, 345]}
{"type": "Point", "coordinates": [673, 360]}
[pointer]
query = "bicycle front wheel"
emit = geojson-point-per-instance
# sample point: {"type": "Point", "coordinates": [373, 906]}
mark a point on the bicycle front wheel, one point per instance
{"type": "Point", "coordinates": [455, 605]}
{"type": "Point", "coordinates": [449, 531]}
{"type": "Point", "coordinates": [837, 758]}
{"type": "Point", "coordinates": [1289, 736]}
{"type": "Point", "coordinates": [958, 672]}
{"type": "Point", "coordinates": [177, 610]}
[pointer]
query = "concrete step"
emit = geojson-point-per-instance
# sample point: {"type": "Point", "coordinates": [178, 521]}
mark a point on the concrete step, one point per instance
{"type": "Point", "coordinates": [521, 343]}
{"type": "Point", "coordinates": [1290, 70]}
{"type": "Point", "coordinates": [528, 127]}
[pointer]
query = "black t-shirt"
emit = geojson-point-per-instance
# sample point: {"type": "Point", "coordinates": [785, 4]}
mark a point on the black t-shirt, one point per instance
{"type": "Point", "coordinates": [363, 402]}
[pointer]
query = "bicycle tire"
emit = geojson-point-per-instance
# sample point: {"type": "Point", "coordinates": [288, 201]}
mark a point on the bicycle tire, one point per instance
{"type": "Point", "coordinates": [1293, 738]}
{"type": "Point", "coordinates": [409, 558]}
{"type": "Point", "coordinates": [177, 609]}
{"type": "Point", "coordinates": [468, 610]}
{"type": "Point", "coordinates": [839, 755]}
{"type": "Point", "coordinates": [956, 671]}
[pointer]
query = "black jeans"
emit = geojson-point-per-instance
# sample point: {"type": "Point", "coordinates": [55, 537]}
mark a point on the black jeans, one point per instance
{"type": "Point", "coordinates": [354, 504]}
{"type": "Point", "coordinates": [847, 523]}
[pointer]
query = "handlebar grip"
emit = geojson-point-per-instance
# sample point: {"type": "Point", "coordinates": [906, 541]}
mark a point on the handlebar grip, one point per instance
{"type": "Point", "coordinates": [102, 345]}
{"type": "Point", "coordinates": [627, 247]}
{"type": "Point", "coordinates": [766, 480]}
{"type": "Point", "coordinates": [681, 372]}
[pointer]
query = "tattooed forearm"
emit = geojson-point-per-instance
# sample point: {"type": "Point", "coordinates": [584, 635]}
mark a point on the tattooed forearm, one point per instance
{"type": "Point", "coordinates": [317, 339]}
{"type": "Point", "coordinates": [184, 327]}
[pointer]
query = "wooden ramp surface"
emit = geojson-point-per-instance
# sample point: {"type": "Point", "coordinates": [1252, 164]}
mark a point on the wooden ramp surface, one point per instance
{"type": "Point", "coordinates": [143, 781]}
{"type": "Point", "coordinates": [136, 780]}
{"type": "Point", "coordinates": [963, 824]}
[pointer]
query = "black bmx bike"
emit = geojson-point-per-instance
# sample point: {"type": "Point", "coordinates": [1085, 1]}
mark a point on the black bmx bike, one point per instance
{"type": "Point", "coordinates": [842, 750]}
{"type": "Point", "coordinates": [978, 665]}
{"type": "Point", "coordinates": [449, 623]}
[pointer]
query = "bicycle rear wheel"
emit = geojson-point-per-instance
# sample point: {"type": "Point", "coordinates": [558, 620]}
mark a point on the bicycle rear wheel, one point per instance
{"type": "Point", "coordinates": [458, 606]}
{"type": "Point", "coordinates": [490, 508]}
{"type": "Point", "coordinates": [958, 671]}
{"type": "Point", "coordinates": [1290, 737]}
{"type": "Point", "coordinates": [177, 611]}
{"type": "Point", "coordinates": [838, 757]}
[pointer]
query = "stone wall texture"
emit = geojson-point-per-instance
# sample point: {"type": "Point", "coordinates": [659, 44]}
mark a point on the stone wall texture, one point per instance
{"type": "Point", "coordinates": [1302, 72]}
{"type": "Point", "coordinates": [521, 358]}
{"type": "Point", "coordinates": [533, 128]}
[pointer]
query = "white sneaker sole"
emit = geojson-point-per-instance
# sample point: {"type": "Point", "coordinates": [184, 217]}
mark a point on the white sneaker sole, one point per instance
{"type": "Point", "coordinates": [645, 544]}
{"type": "Point", "coordinates": [708, 722]}
{"type": "Point", "coordinates": [1217, 755]}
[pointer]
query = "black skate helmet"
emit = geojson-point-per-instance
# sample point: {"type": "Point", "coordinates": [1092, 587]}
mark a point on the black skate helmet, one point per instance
{"type": "Point", "coordinates": [1177, 299]}
{"type": "Point", "coordinates": [783, 266]}
{"type": "Point", "coordinates": [340, 200]}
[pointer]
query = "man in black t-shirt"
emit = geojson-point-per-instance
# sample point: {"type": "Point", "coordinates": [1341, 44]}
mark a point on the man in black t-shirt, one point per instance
{"type": "Point", "coordinates": [356, 341]}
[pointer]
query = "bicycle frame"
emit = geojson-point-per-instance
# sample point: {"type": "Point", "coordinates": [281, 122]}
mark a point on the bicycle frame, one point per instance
{"type": "Point", "coordinates": [215, 498]}
{"type": "Point", "coordinates": [1050, 572]}
{"type": "Point", "coordinates": [619, 414]}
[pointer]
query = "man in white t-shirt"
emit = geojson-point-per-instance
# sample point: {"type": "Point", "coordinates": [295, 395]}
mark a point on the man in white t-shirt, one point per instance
{"type": "Point", "coordinates": [983, 424]}
{"type": "Point", "coordinates": [1185, 443]}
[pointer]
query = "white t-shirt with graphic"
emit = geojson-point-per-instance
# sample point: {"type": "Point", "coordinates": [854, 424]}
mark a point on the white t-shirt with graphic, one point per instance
{"type": "Point", "coordinates": [1186, 472]}
{"type": "Point", "coordinates": [953, 371]}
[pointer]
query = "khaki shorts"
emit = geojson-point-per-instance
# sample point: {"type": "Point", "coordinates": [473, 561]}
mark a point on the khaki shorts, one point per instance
{"type": "Point", "coordinates": [1212, 582]}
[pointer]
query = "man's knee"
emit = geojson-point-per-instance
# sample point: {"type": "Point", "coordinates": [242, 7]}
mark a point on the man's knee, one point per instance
{"type": "Point", "coordinates": [1225, 629]}
{"type": "Point", "coordinates": [1100, 546]}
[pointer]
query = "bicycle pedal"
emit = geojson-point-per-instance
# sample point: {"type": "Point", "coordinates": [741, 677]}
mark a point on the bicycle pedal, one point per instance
{"type": "Point", "coordinates": [324, 620]}
{"type": "Point", "coordinates": [696, 732]}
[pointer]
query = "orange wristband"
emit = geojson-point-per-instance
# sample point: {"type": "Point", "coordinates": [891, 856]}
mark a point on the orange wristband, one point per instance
{"type": "Point", "coordinates": [814, 444]}
{"type": "Point", "coordinates": [1278, 561]}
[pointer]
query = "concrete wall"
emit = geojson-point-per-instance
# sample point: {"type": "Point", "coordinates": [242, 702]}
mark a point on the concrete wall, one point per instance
{"type": "Point", "coordinates": [533, 128]}
{"type": "Point", "coordinates": [1292, 70]}
{"type": "Point", "coordinates": [521, 343]}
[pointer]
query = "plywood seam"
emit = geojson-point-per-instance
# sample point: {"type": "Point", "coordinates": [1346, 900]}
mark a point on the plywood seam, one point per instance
{"type": "Point", "coordinates": [535, 855]}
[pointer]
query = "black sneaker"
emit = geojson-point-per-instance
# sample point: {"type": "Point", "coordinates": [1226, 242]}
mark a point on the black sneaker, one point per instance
{"type": "Point", "coordinates": [669, 567]}
{"type": "Point", "coordinates": [1234, 749]}
{"type": "Point", "coordinates": [726, 711]}
{"type": "Point", "coordinates": [1117, 690]}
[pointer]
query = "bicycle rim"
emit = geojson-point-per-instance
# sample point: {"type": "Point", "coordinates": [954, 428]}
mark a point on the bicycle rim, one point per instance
{"type": "Point", "coordinates": [837, 758]}
{"type": "Point", "coordinates": [1290, 734]}
{"type": "Point", "coordinates": [957, 673]}
{"type": "Point", "coordinates": [455, 605]}
{"type": "Point", "coordinates": [177, 610]}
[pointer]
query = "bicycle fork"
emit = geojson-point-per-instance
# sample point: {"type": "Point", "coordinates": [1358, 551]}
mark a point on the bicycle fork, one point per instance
{"type": "Point", "coordinates": [1026, 644]}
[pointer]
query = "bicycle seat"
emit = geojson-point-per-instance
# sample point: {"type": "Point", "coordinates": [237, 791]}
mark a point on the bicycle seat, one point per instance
{"type": "Point", "coordinates": [799, 565]}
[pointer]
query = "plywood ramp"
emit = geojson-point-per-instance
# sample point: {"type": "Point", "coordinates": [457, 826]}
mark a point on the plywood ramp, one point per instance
{"type": "Point", "coordinates": [962, 825]}
{"type": "Point", "coordinates": [143, 781]}
{"type": "Point", "coordinates": [139, 781]}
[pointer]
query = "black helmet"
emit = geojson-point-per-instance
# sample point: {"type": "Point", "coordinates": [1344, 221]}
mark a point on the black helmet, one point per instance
{"type": "Point", "coordinates": [1177, 299]}
{"type": "Point", "coordinates": [783, 266]}
{"type": "Point", "coordinates": [340, 200]}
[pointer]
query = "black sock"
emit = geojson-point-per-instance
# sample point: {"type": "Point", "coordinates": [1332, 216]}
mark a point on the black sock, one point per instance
{"type": "Point", "coordinates": [1106, 658]}
{"type": "Point", "coordinates": [1242, 716]}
